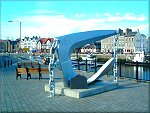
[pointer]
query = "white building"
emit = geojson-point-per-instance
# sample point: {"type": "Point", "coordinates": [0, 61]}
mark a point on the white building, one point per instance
{"type": "Point", "coordinates": [141, 43]}
{"type": "Point", "coordinates": [44, 44]}
{"type": "Point", "coordinates": [29, 43]}
{"type": "Point", "coordinates": [107, 45]}
{"type": "Point", "coordinates": [89, 48]}
{"type": "Point", "coordinates": [128, 43]}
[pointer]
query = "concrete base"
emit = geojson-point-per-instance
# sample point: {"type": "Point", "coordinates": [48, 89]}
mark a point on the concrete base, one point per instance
{"type": "Point", "coordinates": [94, 88]}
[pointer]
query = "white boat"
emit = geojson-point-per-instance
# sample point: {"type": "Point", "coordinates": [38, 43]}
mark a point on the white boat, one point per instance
{"type": "Point", "coordinates": [89, 58]}
{"type": "Point", "coordinates": [139, 56]}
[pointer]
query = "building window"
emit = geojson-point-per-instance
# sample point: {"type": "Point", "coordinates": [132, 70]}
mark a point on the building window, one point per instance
{"type": "Point", "coordinates": [128, 50]}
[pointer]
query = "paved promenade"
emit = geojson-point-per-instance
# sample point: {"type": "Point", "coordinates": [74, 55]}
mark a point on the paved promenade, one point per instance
{"type": "Point", "coordinates": [29, 96]}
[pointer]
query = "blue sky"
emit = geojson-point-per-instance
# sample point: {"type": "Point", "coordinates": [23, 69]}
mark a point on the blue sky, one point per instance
{"type": "Point", "coordinates": [55, 18]}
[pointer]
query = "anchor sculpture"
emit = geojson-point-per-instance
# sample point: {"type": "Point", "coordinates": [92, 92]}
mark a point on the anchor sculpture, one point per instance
{"type": "Point", "coordinates": [70, 42]}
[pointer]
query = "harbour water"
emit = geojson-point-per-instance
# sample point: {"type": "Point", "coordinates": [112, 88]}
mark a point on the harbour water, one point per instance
{"type": "Point", "coordinates": [126, 71]}
{"type": "Point", "coordinates": [130, 72]}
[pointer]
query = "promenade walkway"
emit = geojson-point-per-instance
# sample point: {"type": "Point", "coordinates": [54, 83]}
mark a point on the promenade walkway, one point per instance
{"type": "Point", "coordinates": [29, 96]}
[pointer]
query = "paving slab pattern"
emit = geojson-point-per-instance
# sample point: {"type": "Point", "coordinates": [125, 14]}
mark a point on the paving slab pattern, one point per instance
{"type": "Point", "coordinates": [29, 96]}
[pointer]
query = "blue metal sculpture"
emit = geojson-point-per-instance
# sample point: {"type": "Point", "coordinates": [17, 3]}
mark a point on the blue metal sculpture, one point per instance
{"type": "Point", "coordinates": [68, 43]}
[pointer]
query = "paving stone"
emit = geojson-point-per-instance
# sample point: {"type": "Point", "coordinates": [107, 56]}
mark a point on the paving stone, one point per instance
{"type": "Point", "coordinates": [28, 96]}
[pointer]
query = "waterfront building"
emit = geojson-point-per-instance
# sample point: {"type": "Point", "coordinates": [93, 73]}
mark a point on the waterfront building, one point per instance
{"type": "Point", "coordinates": [5, 46]}
{"type": "Point", "coordinates": [128, 42]}
{"type": "Point", "coordinates": [2, 46]}
{"type": "Point", "coordinates": [44, 44]}
{"type": "Point", "coordinates": [29, 44]}
{"type": "Point", "coordinates": [15, 45]}
{"type": "Point", "coordinates": [89, 48]}
{"type": "Point", "coordinates": [98, 46]}
{"type": "Point", "coordinates": [141, 43]}
{"type": "Point", "coordinates": [107, 45]}
{"type": "Point", "coordinates": [9, 46]}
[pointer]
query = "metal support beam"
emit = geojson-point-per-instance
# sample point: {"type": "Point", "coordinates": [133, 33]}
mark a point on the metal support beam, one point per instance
{"type": "Point", "coordinates": [52, 65]}
{"type": "Point", "coordinates": [115, 57]}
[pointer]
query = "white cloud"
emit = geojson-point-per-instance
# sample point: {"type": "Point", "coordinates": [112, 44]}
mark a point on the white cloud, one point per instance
{"type": "Point", "coordinates": [134, 17]}
{"type": "Point", "coordinates": [56, 25]}
{"type": "Point", "coordinates": [108, 15]}
{"type": "Point", "coordinates": [47, 26]}
{"type": "Point", "coordinates": [141, 27]}
{"type": "Point", "coordinates": [120, 17]}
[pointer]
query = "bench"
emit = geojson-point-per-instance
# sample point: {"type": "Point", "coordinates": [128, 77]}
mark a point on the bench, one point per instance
{"type": "Point", "coordinates": [29, 71]}
{"type": "Point", "coordinates": [20, 71]}
{"type": "Point", "coordinates": [44, 70]}
{"type": "Point", "coordinates": [27, 64]}
{"type": "Point", "coordinates": [33, 71]}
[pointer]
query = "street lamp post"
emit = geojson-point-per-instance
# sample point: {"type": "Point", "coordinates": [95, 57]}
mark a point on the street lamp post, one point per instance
{"type": "Point", "coordinates": [20, 34]}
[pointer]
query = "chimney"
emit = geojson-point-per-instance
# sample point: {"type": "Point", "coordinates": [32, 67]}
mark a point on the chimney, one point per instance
{"type": "Point", "coordinates": [128, 31]}
{"type": "Point", "coordinates": [120, 31]}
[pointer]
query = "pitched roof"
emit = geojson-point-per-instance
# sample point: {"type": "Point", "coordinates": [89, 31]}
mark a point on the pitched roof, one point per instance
{"type": "Point", "coordinates": [143, 35]}
{"type": "Point", "coordinates": [27, 38]}
{"type": "Point", "coordinates": [44, 40]}
{"type": "Point", "coordinates": [7, 40]}
{"type": "Point", "coordinates": [131, 34]}
{"type": "Point", "coordinates": [2, 40]}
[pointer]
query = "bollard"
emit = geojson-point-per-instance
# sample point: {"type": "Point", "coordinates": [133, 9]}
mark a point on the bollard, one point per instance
{"type": "Point", "coordinates": [86, 65]}
{"type": "Point", "coordinates": [5, 63]}
{"type": "Point", "coordinates": [120, 69]}
{"type": "Point", "coordinates": [137, 71]}
{"type": "Point", "coordinates": [95, 66]}
{"type": "Point", "coordinates": [8, 62]}
{"type": "Point", "coordinates": [11, 62]}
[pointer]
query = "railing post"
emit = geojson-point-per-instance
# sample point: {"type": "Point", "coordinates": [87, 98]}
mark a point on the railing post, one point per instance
{"type": "Point", "coordinates": [137, 71]}
{"type": "Point", "coordinates": [95, 65]}
{"type": "Point", "coordinates": [78, 64]}
{"type": "Point", "coordinates": [8, 62]}
{"type": "Point", "coordinates": [86, 64]}
{"type": "Point", "coordinates": [120, 69]}
{"type": "Point", "coordinates": [11, 62]}
{"type": "Point", "coordinates": [5, 63]}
